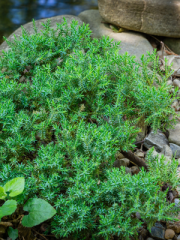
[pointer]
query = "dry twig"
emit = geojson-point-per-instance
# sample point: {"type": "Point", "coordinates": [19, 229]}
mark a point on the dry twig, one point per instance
{"type": "Point", "coordinates": [132, 157]}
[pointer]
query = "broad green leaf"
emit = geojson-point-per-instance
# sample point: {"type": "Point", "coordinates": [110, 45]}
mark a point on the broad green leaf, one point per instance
{"type": "Point", "coordinates": [8, 208]}
{"type": "Point", "coordinates": [15, 186]}
{"type": "Point", "coordinates": [2, 193]}
{"type": "Point", "coordinates": [39, 211]}
{"type": "Point", "coordinates": [12, 233]}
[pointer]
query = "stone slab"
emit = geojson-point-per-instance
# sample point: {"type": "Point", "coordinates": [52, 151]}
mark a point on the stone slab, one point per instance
{"type": "Point", "coordinates": [156, 17]}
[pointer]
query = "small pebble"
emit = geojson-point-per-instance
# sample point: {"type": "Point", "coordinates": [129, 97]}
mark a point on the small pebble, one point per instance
{"type": "Point", "coordinates": [169, 234]}
{"type": "Point", "coordinates": [176, 201]}
{"type": "Point", "coordinates": [135, 170]}
{"type": "Point", "coordinates": [144, 232]}
{"type": "Point", "coordinates": [138, 215]}
{"type": "Point", "coordinates": [121, 162]}
{"type": "Point", "coordinates": [22, 79]}
{"type": "Point", "coordinates": [139, 154]}
{"type": "Point", "coordinates": [128, 170]}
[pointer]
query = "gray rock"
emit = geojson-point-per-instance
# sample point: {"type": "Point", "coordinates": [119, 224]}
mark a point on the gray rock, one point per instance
{"type": "Point", "coordinates": [128, 170]}
{"type": "Point", "coordinates": [176, 83]}
{"type": "Point", "coordinates": [158, 231]}
{"type": "Point", "coordinates": [177, 202]}
{"type": "Point", "coordinates": [29, 27]}
{"type": "Point", "coordinates": [149, 238]}
{"type": "Point", "coordinates": [167, 160]}
{"type": "Point", "coordinates": [131, 42]}
{"type": "Point", "coordinates": [156, 17]}
{"type": "Point", "coordinates": [174, 62]}
{"type": "Point", "coordinates": [166, 151]}
{"type": "Point", "coordinates": [138, 215]}
{"type": "Point", "coordinates": [174, 134]}
{"type": "Point", "coordinates": [169, 82]}
{"type": "Point", "coordinates": [175, 149]}
{"type": "Point", "coordinates": [157, 140]}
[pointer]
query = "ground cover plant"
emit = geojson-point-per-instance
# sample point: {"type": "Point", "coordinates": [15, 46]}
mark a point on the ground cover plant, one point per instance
{"type": "Point", "coordinates": [68, 104]}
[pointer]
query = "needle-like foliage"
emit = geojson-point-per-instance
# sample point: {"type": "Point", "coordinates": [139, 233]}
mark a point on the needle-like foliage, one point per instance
{"type": "Point", "coordinates": [67, 105]}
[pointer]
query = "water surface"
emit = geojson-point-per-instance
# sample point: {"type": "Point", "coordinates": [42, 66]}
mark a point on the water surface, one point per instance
{"type": "Point", "coordinates": [14, 13]}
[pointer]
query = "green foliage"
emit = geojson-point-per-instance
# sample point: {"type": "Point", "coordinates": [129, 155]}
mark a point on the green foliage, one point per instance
{"type": "Point", "coordinates": [110, 207]}
{"type": "Point", "coordinates": [12, 233]}
{"type": "Point", "coordinates": [125, 195]}
{"type": "Point", "coordinates": [2, 193]}
{"type": "Point", "coordinates": [14, 187]}
{"type": "Point", "coordinates": [165, 173]}
{"type": "Point", "coordinates": [68, 104]}
{"type": "Point", "coordinates": [39, 211]}
{"type": "Point", "coordinates": [8, 208]}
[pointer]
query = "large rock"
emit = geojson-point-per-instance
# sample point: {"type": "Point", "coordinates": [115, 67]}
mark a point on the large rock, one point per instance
{"type": "Point", "coordinates": [157, 231]}
{"type": "Point", "coordinates": [29, 27]}
{"type": "Point", "coordinates": [157, 140]}
{"type": "Point", "coordinates": [175, 149]}
{"type": "Point", "coordinates": [131, 42]}
{"type": "Point", "coordinates": [174, 134]}
{"type": "Point", "coordinates": [166, 151]}
{"type": "Point", "coordinates": [157, 17]}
